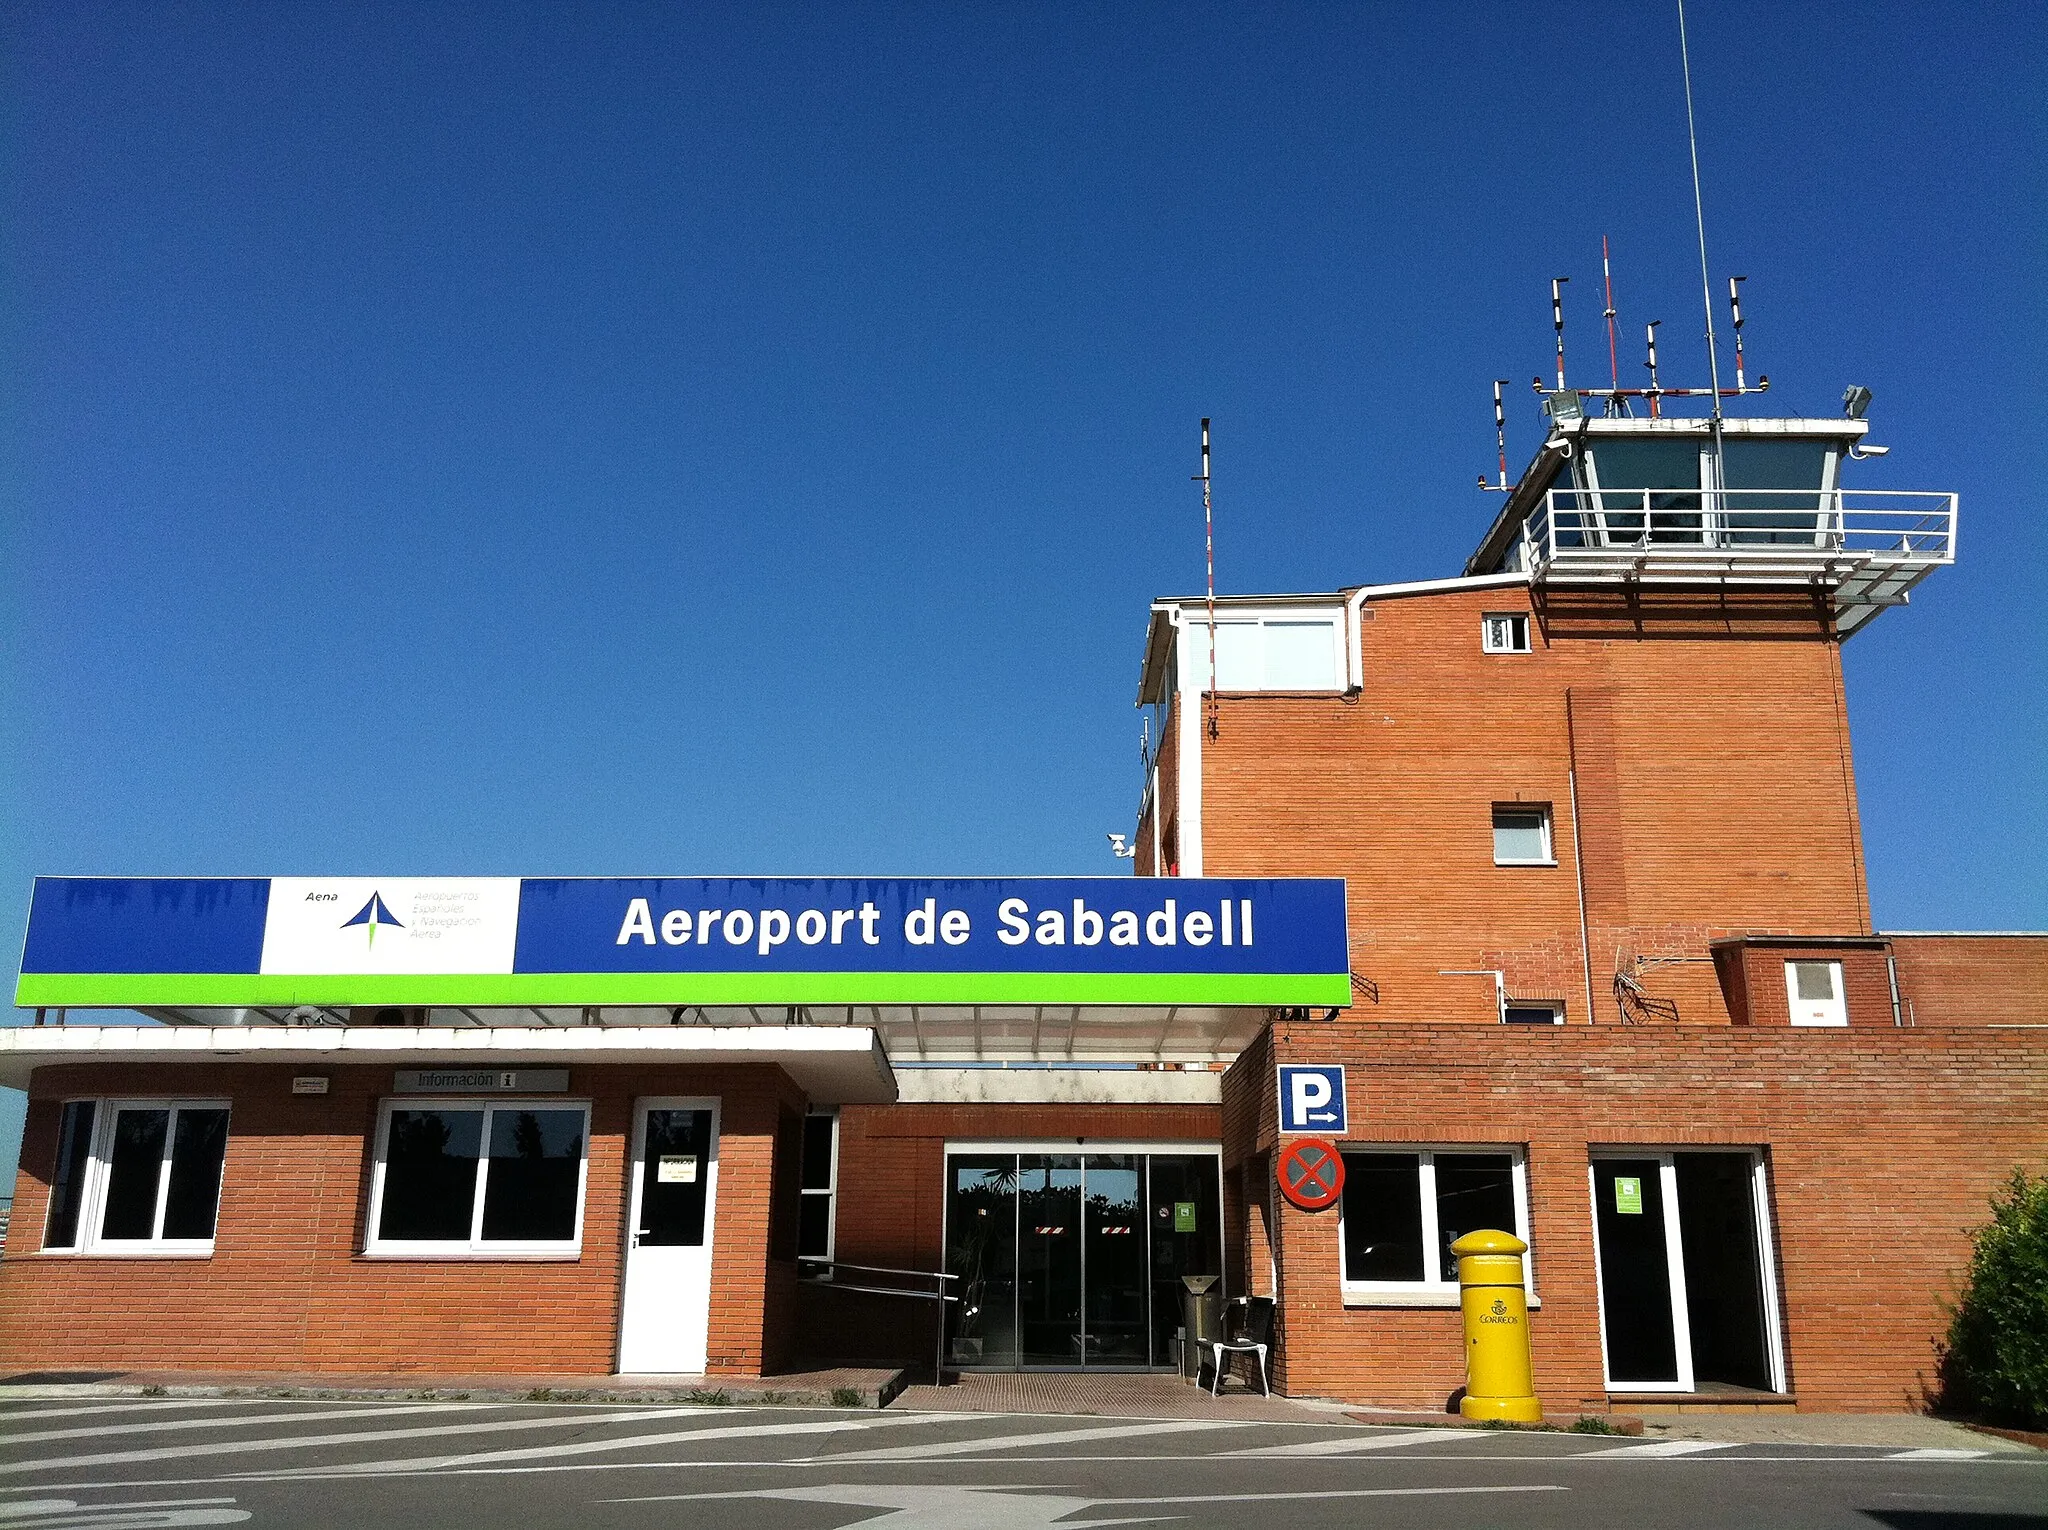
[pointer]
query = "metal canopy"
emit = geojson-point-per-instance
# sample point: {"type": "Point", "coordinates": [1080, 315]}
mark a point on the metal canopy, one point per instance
{"type": "Point", "coordinates": [1085, 1033]}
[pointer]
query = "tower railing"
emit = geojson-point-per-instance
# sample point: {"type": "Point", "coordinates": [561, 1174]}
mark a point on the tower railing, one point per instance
{"type": "Point", "coordinates": [1867, 547]}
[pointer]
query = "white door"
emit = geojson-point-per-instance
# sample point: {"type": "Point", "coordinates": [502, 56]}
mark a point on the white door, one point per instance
{"type": "Point", "coordinates": [665, 1316]}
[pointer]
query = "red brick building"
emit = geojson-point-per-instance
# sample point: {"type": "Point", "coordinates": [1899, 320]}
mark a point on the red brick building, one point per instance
{"type": "Point", "coordinates": [1613, 986]}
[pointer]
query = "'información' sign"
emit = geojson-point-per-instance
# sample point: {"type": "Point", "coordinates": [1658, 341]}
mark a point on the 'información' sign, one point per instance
{"type": "Point", "coordinates": [207, 942]}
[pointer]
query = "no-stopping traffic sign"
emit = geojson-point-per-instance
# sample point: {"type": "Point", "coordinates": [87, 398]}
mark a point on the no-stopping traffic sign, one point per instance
{"type": "Point", "coordinates": [1311, 1173]}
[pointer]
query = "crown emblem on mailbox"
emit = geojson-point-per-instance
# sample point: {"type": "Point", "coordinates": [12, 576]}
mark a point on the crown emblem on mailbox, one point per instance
{"type": "Point", "coordinates": [1499, 1306]}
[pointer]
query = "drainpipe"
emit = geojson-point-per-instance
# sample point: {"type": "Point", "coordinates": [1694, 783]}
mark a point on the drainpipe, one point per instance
{"type": "Point", "coordinates": [1891, 969]}
{"type": "Point", "coordinates": [1354, 642]}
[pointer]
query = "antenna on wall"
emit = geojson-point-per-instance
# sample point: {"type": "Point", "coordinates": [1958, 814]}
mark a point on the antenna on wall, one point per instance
{"type": "Point", "coordinates": [1209, 542]}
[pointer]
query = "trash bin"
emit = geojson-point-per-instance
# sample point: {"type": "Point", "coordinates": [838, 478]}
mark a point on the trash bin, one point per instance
{"type": "Point", "coordinates": [1201, 1310]}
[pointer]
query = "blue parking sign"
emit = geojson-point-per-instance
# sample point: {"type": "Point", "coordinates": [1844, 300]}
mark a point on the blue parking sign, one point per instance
{"type": "Point", "coordinates": [1312, 1099]}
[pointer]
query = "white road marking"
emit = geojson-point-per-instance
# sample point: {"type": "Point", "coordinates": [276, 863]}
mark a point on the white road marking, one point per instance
{"type": "Point", "coordinates": [239, 1420]}
{"type": "Point", "coordinates": [1019, 1441]}
{"type": "Point", "coordinates": [1659, 1451]}
{"type": "Point", "coordinates": [7, 1415]}
{"type": "Point", "coordinates": [590, 1447]}
{"type": "Point", "coordinates": [67, 1514]}
{"type": "Point", "coordinates": [948, 1508]}
{"type": "Point", "coordinates": [346, 1437]}
{"type": "Point", "coordinates": [1937, 1453]}
{"type": "Point", "coordinates": [1352, 1445]}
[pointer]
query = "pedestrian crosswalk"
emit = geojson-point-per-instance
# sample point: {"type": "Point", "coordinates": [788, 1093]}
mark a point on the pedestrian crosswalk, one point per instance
{"type": "Point", "coordinates": [223, 1440]}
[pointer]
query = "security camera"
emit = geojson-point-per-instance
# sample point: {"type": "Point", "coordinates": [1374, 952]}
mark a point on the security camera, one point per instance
{"type": "Point", "coordinates": [1859, 451]}
{"type": "Point", "coordinates": [1119, 844]}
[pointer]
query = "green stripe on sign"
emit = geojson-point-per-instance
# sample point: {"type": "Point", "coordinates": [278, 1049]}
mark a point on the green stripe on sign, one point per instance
{"type": "Point", "coordinates": [233, 990]}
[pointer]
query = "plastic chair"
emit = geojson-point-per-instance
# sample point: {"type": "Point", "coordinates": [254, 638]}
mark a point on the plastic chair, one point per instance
{"type": "Point", "coordinates": [1250, 1318]}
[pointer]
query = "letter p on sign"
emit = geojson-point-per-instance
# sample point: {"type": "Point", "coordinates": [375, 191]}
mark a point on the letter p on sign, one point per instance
{"type": "Point", "coordinates": [1312, 1100]}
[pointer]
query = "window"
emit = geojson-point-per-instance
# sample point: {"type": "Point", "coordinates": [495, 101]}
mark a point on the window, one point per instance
{"type": "Point", "coordinates": [1274, 653]}
{"type": "Point", "coordinates": [820, 1179]}
{"type": "Point", "coordinates": [456, 1177]}
{"type": "Point", "coordinates": [1504, 632]}
{"type": "Point", "coordinates": [137, 1177]}
{"type": "Point", "coordinates": [1404, 1208]}
{"type": "Point", "coordinates": [1814, 992]}
{"type": "Point", "coordinates": [1521, 834]}
{"type": "Point", "coordinates": [1532, 1012]}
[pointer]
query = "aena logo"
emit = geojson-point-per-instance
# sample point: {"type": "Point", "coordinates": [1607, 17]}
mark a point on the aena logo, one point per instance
{"type": "Point", "coordinates": [372, 914]}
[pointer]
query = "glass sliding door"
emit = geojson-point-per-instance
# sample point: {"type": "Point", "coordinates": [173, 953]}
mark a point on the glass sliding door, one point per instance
{"type": "Point", "coordinates": [1071, 1260]}
{"type": "Point", "coordinates": [1114, 1248]}
{"type": "Point", "coordinates": [1186, 1236]}
{"type": "Point", "coordinates": [981, 1248]}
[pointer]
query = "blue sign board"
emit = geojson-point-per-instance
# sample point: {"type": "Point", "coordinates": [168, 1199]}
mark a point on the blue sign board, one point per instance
{"type": "Point", "coordinates": [1312, 1100]}
{"type": "Point", "coordinates": [182, 942]}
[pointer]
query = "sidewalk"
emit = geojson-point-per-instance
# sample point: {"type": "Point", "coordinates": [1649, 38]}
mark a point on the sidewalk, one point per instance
{"type": "Point", "coordinates": [841, 1387]}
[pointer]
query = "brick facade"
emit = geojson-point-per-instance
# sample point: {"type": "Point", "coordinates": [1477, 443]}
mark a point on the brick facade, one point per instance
{"type": "Point", "coordinates": [286, 1288]}
{"type": "Point", "coordinates": [1882, 1148]}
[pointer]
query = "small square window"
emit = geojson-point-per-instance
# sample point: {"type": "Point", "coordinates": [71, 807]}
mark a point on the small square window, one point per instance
{"type": "Point", "coordinates": [1521, 834]}
{"type": "Point", "coordinates": [1504, 632]}
{"type": "Point", "coordinates": [1814, 993]}
{"type": "Point", "coordinates": [1531, 1012]}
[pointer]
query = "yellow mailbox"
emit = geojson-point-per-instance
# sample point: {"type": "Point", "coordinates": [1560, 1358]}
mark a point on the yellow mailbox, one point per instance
{"type": "Point", "coordinates": [1500, 1381]}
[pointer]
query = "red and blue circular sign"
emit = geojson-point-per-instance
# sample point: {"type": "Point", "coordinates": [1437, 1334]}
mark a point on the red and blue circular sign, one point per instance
{"type": "Point", "coordinates": [1311, 1173]}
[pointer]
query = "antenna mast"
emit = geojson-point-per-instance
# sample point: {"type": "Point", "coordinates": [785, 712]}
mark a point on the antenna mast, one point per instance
{"type": "Point", "coordinates": [1735, 307]}
{"type": "Point", "coordinates": [1557, 321]}
{"type": "Point", "coordinates": [1700, 217]}
{"type": "Point", "coordinates": [1209, 541]}
{"type": "Point", "coordinates": [1607, 276]}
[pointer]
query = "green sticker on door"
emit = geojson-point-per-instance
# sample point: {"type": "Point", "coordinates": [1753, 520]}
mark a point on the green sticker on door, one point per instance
{"type": "Point", "coordinates": [1628, 1196]}
{"type": "Point", "coordinates": [1183, 1216]}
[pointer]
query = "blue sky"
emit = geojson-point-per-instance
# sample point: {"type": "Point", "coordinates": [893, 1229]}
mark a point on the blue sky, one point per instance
{"type": "Point", "coordinates": [572, 439]}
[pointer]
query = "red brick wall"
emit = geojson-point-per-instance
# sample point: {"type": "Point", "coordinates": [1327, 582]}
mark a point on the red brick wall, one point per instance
{"type": "Point", "coordinates": [1973, 979]}
{"type": "Point", "coordinates": [286, 1289]}
{"type": "Point", "coordinates": [1715, 793]}
{"type": "Point", "coordinates": [1883, 1146]}
{"type": "Point", "coordinates": [1759, 996]}
{"type": "Point", "coordinates": [892, 1162]}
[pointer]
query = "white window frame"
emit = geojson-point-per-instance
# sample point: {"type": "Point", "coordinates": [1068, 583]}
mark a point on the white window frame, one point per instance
{"type": "Point", "coordinates": [1488, 645]}
{"type": "Point", "coordinates": [1549, 857]}
{"type": "Point", "coordinates": [89, 1243]}
{"type": "Point", "coordinates": [1431, 1291]}
{"type": "Point", "coordinates": [1195, 634]}
{"type": "Point", "coordinates": [830, 1194]}
{"type": "Point", "coordinates": [1674, 1263]}
{"type": "Point", "coordinates": [475, 1246]}
{"type": "Point", "coordinates": [1837, 1009]}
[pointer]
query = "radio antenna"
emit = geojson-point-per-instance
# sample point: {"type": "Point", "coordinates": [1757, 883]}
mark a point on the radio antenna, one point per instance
{"type": "Point", "coordinates": [1500, 428]}
{"type": "Point", "coordinates": [1700, 218]}
{"type": "Point", "coordinates": [1607, 276]}
{"type": "Point", "coordinates": [1557, 321]}
{"type": "Point", "coordinates": [1656, 393]}
{"type": "Point", "coordinates": [1209, 542]}
{"type": "Point", "coordinates": [1735, 307]}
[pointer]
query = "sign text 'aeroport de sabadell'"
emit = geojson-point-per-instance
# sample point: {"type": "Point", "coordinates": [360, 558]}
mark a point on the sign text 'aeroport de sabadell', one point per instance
{"type": "Point", "coordinates": [679, 940]}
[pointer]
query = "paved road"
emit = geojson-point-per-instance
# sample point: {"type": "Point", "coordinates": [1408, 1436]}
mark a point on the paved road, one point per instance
{"type": "Point", "coordinates": [75, 1463]}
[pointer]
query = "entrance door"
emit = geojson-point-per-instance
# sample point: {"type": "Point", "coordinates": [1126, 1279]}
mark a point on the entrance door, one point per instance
{"type": "Point", "coordinates": [1686, 1294]}
{"type": "Point", "coordinates": [665, 1317]}
{"type": "Point", "coordinates": [1072, 1260]}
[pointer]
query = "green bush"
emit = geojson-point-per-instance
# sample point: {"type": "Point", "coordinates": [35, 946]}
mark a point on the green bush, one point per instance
{"type": "Point", "coordinates": [1995, 1363]}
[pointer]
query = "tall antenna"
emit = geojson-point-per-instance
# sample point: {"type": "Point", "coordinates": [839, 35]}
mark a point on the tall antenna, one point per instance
{"type": "Point", "coordinates": [1656, 393]}
{"type": "Point", "coordinates": [1735, 307]}
{"type": "Point", "coordinates": [1607, 276]}
{"type": "Point", "coordinates": [1700, 217]}
{"type": "Point", "coordinates": [1500, 428]}
{"type": "Point", "coordinates": [1557, 320]}
{"type": "Point", "coordinates": [1209, 540]}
